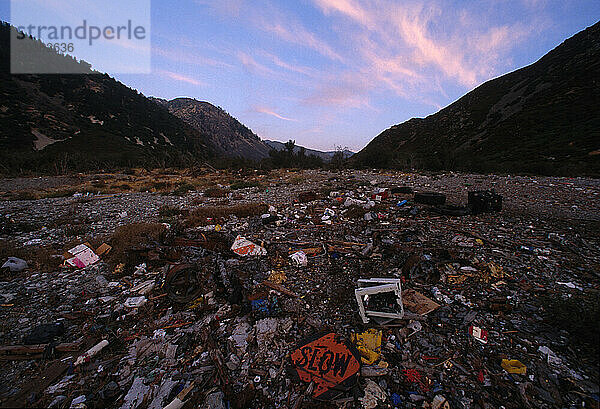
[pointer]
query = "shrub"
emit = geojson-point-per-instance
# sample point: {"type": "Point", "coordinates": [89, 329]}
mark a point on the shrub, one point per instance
{"type": "Point", "coordinates": [183, 188]}
{"type": "Point", "coordinates": [134, 236]}
{"type": "Point", "coordinates": [243, 184]}
{"type": "Point", "coordinates": [26, 195]}
{"type": "Point", "coordinates": [215, 192]}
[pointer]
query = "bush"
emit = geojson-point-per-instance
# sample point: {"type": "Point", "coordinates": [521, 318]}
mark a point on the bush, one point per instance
{"type": "Point", "coordinates": [243, 184]}
{"type": "Point", "coordinates": [215, 192]}
{"type": "Point", "coordinates": [183, 188]}
{"type": "Point", "coordinates": [26, 195]}
{"type": "Point", "coordinates": [134, 236]}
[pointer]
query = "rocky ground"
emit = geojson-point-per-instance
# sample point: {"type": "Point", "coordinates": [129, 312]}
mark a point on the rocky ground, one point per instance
{"type": "Point", "coordinates": [224, 334]}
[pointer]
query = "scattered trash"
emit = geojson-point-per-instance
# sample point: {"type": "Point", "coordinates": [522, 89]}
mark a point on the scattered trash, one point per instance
{"type": "Point", "coordinates": [479, 334]}
{"type": "Point", "coordinates": [485, 201]}
{"type": "Point", "coordinates": [329, 362]}
{"type": "Point", "coordinates": [83, 256]}
{"type": "Point", "coordinates": [91, 353]}
{"type": "Point", "coordinates": [15, 265]}
{"type": "Point", "coordinates": [379, 298]}
{"type": "Point", "coordinates": [195, 319]}
{"type": "Point", "coordinates": [299, 258]}
{"type": "Point", "coordinates": [243, 247]}
{"type": "Point", "coordinates": [514, 366]}
{"type": "Point", "coordinates": [135, 302]}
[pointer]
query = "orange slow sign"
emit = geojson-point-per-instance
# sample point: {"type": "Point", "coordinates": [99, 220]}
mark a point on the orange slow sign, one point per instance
{"type": "Point", "coordinates": [328, 362]}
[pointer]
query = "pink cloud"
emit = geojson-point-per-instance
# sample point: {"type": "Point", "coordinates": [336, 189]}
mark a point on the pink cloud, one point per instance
{"type": "Point", "coordinates": [297, 34]}
{"type": "Point", "coordinates": [182, 78]}
{"type": "Point", "coordinates": [264, 110]}
{"type": "Point", "coordinates": [249, 62]}
{"type": "Point", "coordinates": [349, 8]}
{"type": "Point", "coordinates": [399, 45]}
{"type": "Point", "coordinates": [300, 69]}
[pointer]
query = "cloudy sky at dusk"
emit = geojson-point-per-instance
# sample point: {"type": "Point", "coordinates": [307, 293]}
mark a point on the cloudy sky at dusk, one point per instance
{"type": "Point", "coordinates": [338, 72]}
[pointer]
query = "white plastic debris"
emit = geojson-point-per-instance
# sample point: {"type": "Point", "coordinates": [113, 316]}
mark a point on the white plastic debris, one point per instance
{"type": "Point", "coordinates": [91, 352]}
{"type": "Point", "coordinates": [15, 265]}
{"type": "Point", "coordinates": [373, 395]}
{"type": "Point", "coordinates": [33, 242]}
{"type": "Point", "coordinates": [570, 285]}
{"type": "Point", "coordinates": [78, 402]}
{"type": "Point", "coordinates": [300, 259]}
{"type": "Point", "coordinates": [83, 256]}
{"type": "Point", "coordinates": [350, 201]}
{"type": "Point", "coordinates": [414, 326]}
{"type": "Point", "coordinates": [143, 288]}
{"type": "Point", "coordinates": [243, 247]}
{"type": "Point", "coordinates": [550, 355]}
{"type": "Point", "coordinates": [140, 270]}
{"type": "Point", "coordinates": [135, 302]}
{"type": "Point", "coordinates": [327, 214]}
{"type": "Point", "coordinates": [159, 334]}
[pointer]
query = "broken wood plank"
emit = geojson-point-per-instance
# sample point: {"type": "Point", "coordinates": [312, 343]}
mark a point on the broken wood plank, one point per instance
{"type": "Point", "coordinates": [38, 349]}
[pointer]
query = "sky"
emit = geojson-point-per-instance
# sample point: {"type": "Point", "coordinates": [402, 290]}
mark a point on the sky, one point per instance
{"type": "Point", "coordinates": [329, 73]}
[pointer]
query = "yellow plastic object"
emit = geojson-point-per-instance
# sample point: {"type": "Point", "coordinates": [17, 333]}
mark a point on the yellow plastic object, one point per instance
{"type": "Point", "coordinates": [514, 366]}
{"type": "Point", "coordinates": [369, 345]}
{"type": "Point", "coordinates": [277, 277]}
{"type": "Point", "coordinates": [383, 364]}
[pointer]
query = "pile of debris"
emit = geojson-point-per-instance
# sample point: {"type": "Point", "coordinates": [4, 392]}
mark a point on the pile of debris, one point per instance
{"type": "Point", "coordinates": [361, 296]}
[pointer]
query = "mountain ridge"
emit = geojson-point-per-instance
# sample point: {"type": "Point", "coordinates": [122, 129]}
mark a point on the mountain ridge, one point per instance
{"type": "Point", "coordinates": [59, 122]}
{"type": "Point", "coordinates": [226, 133]}
{"type": "Point", "coordinates": [538, 119]}
{"type": "Point", "coordinates": [326, 156]}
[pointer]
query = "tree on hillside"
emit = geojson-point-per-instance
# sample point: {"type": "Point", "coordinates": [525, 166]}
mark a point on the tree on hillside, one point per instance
{"type": "Point", "coordinates": [289, 147]}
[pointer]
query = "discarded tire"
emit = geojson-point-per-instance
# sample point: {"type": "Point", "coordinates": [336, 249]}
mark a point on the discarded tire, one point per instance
{"type": "Point", "coordinates": [430, 198]}
{"type": "Point", "coordinates": [184, 283]}
{"type": "Point", "coordinates": [485, 201]}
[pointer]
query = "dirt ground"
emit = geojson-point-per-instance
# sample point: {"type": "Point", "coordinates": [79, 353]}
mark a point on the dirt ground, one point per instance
{"type": "Point", "coordinates": [527, 275]}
